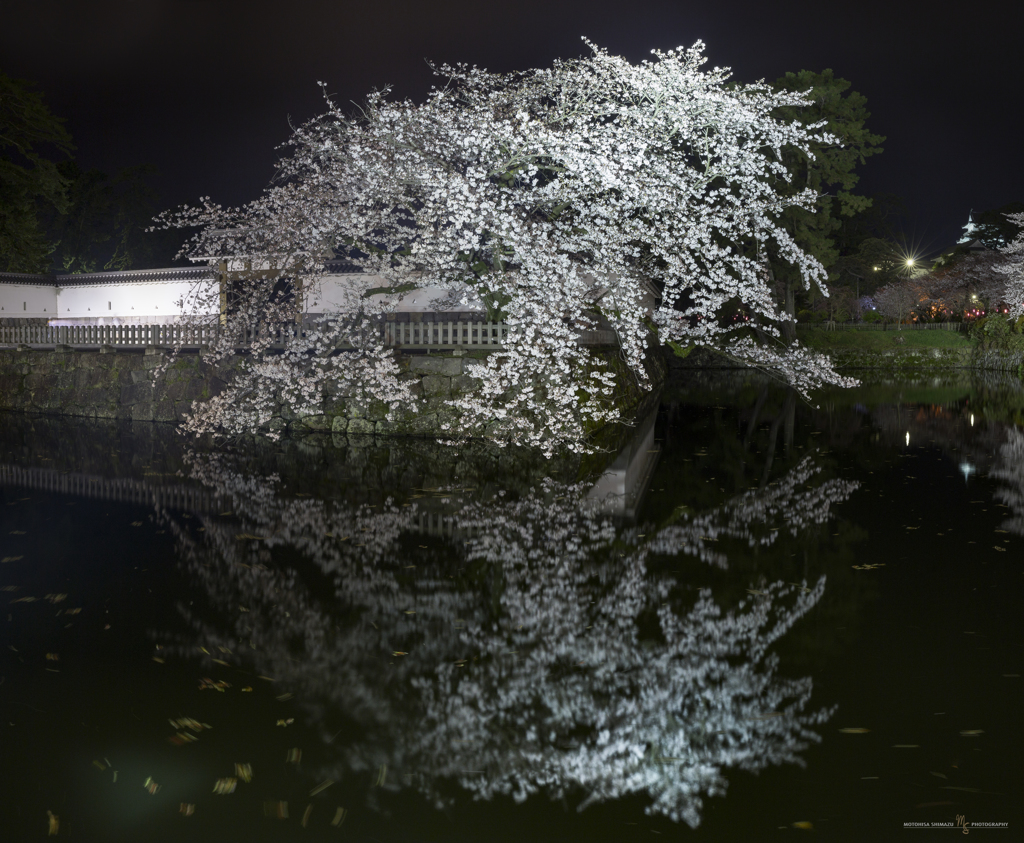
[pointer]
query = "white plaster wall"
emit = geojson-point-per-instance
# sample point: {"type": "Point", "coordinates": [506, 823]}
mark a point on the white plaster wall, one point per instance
{"type": "Point", "coordinates": [337, 290]}
{"type": "Point", "coordinates": [155, 302]}
{"type": "Point", "coordinates": [28, 301]}
{"type": "Point", "coordinates": [419, 300]}
{"type": "Point", "coordinates": [147, 302]}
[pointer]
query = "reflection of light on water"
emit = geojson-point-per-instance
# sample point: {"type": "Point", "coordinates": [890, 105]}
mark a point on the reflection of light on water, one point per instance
{"type": "Point", "coordinates": [908, 437]}
{"type": "Point", "coordinates": [972, 419]}
{"type": "Point", "coordinates": [967, 469]}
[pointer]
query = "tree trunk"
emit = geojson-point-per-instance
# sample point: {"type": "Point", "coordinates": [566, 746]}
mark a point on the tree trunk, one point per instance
{"type": "Point", "coordinates": [789, 326]}
{"type": "Point", "coordinates": [788, 305]}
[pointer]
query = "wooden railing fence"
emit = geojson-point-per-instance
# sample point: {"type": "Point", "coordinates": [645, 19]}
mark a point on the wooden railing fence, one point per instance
{"type": "Point", "coordinates": [412, 335]}
{"type": "Point", "coordinates": [888, 326]}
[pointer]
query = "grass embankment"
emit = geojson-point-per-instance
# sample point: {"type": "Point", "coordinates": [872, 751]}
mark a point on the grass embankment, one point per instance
{"type": "Point", "coordinates": [822, 340]}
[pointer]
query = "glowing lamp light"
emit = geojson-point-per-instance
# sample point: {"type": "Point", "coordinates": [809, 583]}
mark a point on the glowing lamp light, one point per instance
{"type": "Point", "coordinates": [972, 419]}
{"type": "Point", "coordinates": [908, 437]}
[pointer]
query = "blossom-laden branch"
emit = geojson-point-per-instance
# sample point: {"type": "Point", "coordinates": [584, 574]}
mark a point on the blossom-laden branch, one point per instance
{"type": "Point", "coordinates": [1013, 294]}
{"type": "Point", "coordinates": [554, 196]}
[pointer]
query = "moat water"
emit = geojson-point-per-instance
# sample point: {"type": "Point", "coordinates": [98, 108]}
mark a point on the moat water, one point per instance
{"type": "Point", "coordinates": [752, 617]}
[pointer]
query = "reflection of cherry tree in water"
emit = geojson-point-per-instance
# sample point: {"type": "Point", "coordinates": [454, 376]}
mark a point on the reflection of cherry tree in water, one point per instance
{"type": "Point", "coordinates": [540, 656]}
{"type": "Point", "coordinates": [1009, 468]}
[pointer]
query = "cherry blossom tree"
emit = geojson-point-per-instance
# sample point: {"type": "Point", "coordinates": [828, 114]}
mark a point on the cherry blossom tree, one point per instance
{"type": "Point", "coordinates": [976, 281]}
{"type": "Point", "coordinates": [513, 663]}
{"type": "Point", "coordinates": [896, 301]}
{"type": "Point", "coordinates": [1013, 293]}
{"type": "Point", "coordinates": [552, 195]}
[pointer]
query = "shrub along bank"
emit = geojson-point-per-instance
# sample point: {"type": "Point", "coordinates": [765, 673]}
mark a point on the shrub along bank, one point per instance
{"type": "Point", "coordinates": [994, 344]}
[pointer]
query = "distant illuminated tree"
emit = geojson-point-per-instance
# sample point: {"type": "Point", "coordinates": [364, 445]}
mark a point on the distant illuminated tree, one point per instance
{"type": "Point", "coordinates": [898, 300]}
{"type": "Point", "coordinates": [975, 281]}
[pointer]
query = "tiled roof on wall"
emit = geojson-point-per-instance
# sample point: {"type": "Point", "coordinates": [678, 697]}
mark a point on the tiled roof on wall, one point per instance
{"type": "Point", "coordinates": [180, 273]}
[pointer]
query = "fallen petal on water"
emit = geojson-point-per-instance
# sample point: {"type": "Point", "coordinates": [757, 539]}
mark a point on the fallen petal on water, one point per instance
{"type": "Point", "coordinates": [225, 785]}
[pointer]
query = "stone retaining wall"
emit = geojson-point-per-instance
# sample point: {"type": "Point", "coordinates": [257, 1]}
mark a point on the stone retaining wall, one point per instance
{"type": "Point", "coordinates": [98, 385]}
{"type": "Point", "coordinates": [120, 385]}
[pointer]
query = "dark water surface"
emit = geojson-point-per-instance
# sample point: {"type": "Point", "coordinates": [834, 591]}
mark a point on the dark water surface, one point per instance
{"type": "Point", "coordinates": [756, 620]}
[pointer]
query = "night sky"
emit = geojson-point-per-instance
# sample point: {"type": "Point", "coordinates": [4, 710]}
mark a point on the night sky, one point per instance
{"type": "Point", "coordinates": [205, 90]}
